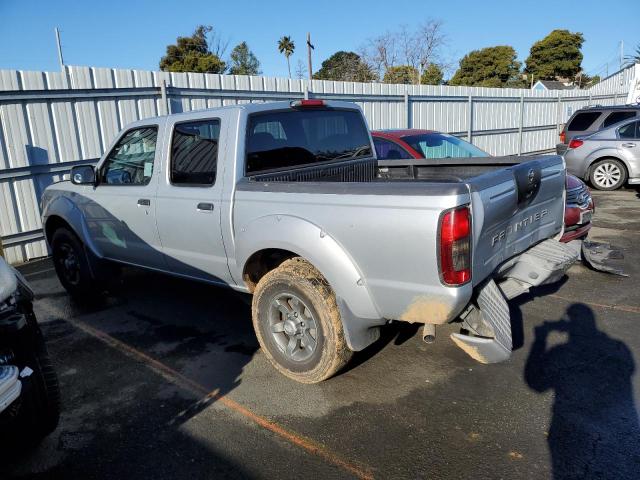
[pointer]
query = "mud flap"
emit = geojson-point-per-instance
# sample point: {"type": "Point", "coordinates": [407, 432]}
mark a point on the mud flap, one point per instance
{"type": "Point", "coordinates": [599, 255]}
{"type": "Point", "coordinates": [494, 312]}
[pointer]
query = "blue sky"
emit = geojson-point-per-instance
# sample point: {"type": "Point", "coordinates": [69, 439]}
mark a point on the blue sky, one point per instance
{"type": "Point", "coordinates": [134, 34]}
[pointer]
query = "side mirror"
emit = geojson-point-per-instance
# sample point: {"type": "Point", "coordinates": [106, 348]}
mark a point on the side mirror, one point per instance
{"type": "Point", "coordinates": [83, 175]}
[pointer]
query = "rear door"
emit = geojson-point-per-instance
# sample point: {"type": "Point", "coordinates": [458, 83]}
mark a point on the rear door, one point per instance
{"type": "Point", "coordinates": [629, 146]}
{"type": "Point", "coordinates": [514, 208]}
{"type": "Point", "coordinates": [189, 199]}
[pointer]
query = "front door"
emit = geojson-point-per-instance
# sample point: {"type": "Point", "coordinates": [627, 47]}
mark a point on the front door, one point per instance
{"type": "Point", "coordinates": [189, 201]}
{"type": "Point", "coordinates": [121, 211]}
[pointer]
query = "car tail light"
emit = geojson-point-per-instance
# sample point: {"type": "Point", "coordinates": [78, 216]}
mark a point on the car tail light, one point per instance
{"type": "Point", "coordinates": [563, 137]}
{"type": "Point", "coordinates": [455, 246]}
{"type": "Point", "coordinates": [307, 103]}
{"type": "Point", "coordinates": [575, 143]}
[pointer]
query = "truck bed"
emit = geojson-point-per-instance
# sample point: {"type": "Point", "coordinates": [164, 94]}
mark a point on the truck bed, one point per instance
{"type": "Point", "coordinates": [445, 170]}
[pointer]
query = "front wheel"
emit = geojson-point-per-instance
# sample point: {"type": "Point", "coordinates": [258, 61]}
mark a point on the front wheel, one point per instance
{"type": "Point", "coordinates": [83, 279]}
{"type": "Point", "coordinates": [297, 322]}
{"type": "Point", "coordinates": [608, 174]}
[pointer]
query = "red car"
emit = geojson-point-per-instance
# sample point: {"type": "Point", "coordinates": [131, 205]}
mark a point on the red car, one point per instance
{"type": "Point", "coordinates": [413, 143]}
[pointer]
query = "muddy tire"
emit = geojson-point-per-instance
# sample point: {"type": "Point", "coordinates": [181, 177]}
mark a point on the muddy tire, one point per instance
{"type": "Point", "coordinates": [608, 174]}
{"type": "Point", "coordinates": [297, 322]}
{"type": "Point", "coordinates": [80, 273]}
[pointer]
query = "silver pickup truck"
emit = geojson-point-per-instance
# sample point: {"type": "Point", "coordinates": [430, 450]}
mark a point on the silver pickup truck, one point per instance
{"type": "Point", "coordinates": [287, 201]}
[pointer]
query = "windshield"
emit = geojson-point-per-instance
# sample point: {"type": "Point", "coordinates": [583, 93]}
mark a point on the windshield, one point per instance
{"type": "Point", "coordinates": [295, 138]}
{"type": "Point", "coordinates": [442, 145]}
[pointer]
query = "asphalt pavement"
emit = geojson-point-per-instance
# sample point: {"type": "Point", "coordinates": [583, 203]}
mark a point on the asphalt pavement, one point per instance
{"type": "Point", "coordinates": [164, 379]}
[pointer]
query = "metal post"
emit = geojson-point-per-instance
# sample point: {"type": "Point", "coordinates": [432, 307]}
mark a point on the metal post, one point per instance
{"type": "Point", "coordinates": [521, 126]}
{"type": "Point", "coordinates": [309, 48]}
{"type": "Point", "coordinates": [470, 120]}
{"type": "Point", "coordinates": [60, 59]}
{"type": "Point", "coordinates": [306, 91]}
{"type": "Point", "coordinates": [163, 95]}
{"type": "Point", "coordinates": [407, 109]}
{"type": "Point", "coordinates": [558, 112]}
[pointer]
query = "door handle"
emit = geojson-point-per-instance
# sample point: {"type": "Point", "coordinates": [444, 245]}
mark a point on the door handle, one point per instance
{"type": "Point", "coordinates": [628, 145]}
{"type": "Point", "coordinates": [144, 202]}
{"type": "Point", "coordinates": [205, 207]}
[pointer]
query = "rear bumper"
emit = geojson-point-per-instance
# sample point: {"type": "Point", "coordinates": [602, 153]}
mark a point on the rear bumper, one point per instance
{"type": "Point", "coordinates": [576, 234]}
{"type": "Point", "coordinates": [488, 322]}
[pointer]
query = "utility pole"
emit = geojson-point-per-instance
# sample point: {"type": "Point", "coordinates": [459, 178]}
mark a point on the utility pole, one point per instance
{"type": "Point", "coordinates": [60, 59]}
{"type": "Point", "coordinates": [309, 48]}
{"type": "Point", "coordinates": [621, 53]}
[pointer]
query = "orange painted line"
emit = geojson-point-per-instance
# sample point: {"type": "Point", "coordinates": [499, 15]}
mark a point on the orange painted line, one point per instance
{"type": "Point", "coordinates": [622, 308]}
{"type": "Point", "coordinates": [177, 378]}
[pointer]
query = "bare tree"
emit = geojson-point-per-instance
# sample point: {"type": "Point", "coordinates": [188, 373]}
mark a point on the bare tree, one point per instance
{"type": "Point", "coordinates": [380, 52]}
{"type": "Point", "coordinates": [301, 70]}
{"type": "Point", "coordinates": [417, 48]}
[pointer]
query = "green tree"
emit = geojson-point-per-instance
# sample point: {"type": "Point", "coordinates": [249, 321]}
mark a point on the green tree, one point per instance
{"type": "Point", "coordinates": [404, 74]}
{"type": "Point", "coordinates": [243, 61]}
{"type": "Point", "coordinates": [286, 47]}
{"type": "Point", "coordinates": [346, 67]}
{"type": "Point", "coordinates": [489, 67]}
{"type": "Point", "coordinates": [192, 54]}
{"type": "Point", "coordinates": [432, 75]}
{"type": "Point", "coordinates": [556, 56]}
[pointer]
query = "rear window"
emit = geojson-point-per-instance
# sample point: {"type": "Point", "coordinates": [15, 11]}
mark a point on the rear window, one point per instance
{"type": "Point", "coordinates": [616, 117]}
{"type": "Point", "coordinates": [295, 138]}
{"type": "Point", "coordinates": [582, 121]}
{"type": "Point", "coordinates": [630, 130]}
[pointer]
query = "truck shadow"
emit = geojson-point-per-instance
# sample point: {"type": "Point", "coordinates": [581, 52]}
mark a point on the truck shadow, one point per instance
{"type": "Point", "coordinates": [594, 431]}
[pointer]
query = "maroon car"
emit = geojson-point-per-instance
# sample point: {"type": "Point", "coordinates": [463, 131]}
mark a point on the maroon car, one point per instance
{"type": "Point", "coordinates": [413, 143]}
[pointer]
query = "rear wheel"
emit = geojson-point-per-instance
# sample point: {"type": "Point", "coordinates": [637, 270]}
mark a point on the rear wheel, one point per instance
{"type": "Point", "coordinates": [298, 323]}
{"type": "Point", "coordinates": [608, 174]}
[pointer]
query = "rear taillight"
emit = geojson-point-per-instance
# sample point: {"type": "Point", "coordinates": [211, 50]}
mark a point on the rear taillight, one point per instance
{"type": "Point", "coordinates": [575, 143]}
{"type": "Point", "coordinates": [563, 137]}
{"type": "Point", "coordinates": [307, 103]}
{"type": "Point", "coordinates": [455, 246]}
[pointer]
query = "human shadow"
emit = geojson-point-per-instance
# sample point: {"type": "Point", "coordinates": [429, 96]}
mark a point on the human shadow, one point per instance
{"type": "Point", "coordinates": [594, 430]}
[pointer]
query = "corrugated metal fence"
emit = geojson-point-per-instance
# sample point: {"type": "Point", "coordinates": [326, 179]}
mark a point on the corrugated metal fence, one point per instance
{"type": "Point", "coordinates": [50, 121]}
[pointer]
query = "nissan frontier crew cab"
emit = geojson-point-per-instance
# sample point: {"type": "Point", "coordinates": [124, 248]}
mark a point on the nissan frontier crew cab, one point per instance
{"type": "Point", "coordinates": [288, 202]}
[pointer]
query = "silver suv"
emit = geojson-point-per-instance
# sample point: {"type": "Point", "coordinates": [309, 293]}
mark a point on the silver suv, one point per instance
{"type": "Point", "coordinates": [608, 158]}
{"type": "Point", "coordinates": [591, 119]}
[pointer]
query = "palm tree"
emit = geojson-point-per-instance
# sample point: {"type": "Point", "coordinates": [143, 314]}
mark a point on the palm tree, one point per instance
{"type": "Point", "coordinates": [286, 46]}
{"type": "Point", "coordinates": [634, 58]}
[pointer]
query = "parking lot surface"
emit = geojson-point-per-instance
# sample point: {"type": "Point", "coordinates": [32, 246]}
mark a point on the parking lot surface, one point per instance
{"type": "Point", "coordinates": [164, 379]}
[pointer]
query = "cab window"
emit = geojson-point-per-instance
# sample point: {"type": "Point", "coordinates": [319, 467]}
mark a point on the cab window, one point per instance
{"type": "Point", "coordinates": [131, 160]}
{"type": "Point", "coordinates": [194, 153]}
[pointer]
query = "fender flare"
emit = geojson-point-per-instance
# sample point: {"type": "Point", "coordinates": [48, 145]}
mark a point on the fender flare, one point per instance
{"type": "Point", "coordinates": [601, 155]}
{"type": "Point", "coordinates": [67, 210]}
{"type": "Point", "coordinates": [357, 307]}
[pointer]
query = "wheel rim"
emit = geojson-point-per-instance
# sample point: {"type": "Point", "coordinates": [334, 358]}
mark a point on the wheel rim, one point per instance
{"type": "Point", "coordinates": [293, 327]}
{"type": "Point", "coordinates": [68, 263]}
{"type": "Point", "coordinates": [607, 175]}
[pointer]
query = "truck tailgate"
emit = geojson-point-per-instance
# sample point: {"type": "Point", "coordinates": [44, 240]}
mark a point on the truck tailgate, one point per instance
{"type": "Point", "coordinates": [514, 208]}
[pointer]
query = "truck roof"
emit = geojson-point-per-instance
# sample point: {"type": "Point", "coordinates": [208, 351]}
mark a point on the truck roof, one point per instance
{"type": "Point", "coordinates": [249, 108]}
{"type": "Point", "coordinates": [402, 132]}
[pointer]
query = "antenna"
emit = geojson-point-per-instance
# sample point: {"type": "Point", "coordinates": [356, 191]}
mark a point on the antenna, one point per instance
{"type": "Point", "coordinates": [60, 59]}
